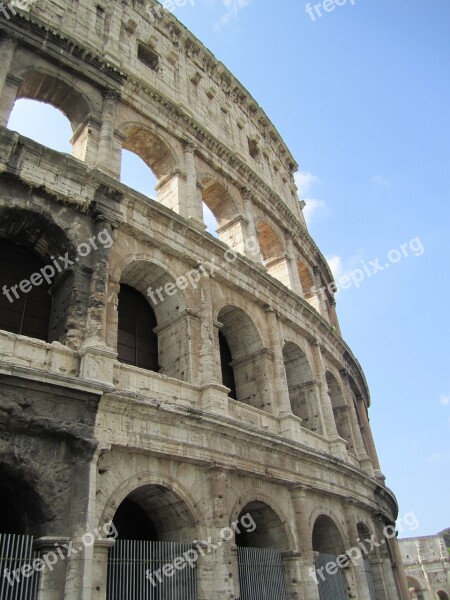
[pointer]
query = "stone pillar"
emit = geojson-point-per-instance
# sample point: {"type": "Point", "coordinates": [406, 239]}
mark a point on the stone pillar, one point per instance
{"type": "Point", "coordinates": [398, 567]}
{"type": "Point", "coordinates": [8, 45]}
{"type": "Point", "coordinates": [295, 283]}
{"type": "Point", "coordinates": [52, 582]}
{"type": "Point", "coordinates": [337, 445]}
{"type": "Point", "coordinates": [387, 568]}
{"type": "Point", "coordinates": [255, 254]}
{"type": "Point", "coordinates": [358, 571]}
{"type": "Point", "coordinates": [100, 568]}
{"type": "Point", "coordinates": [304, 536]}
{"type": "Point", "coordinates": [98, 359]}
{"type": "Point", "coordinates": [367, 432]}
{"type": "Point", "coordinates": [322, 308]}
{"type": "Point", "coordinates": [280, 391]}
{"type": "Point", "coordinates": [8, 97]}
{"type": "Point", "coordinates": [193, 208]}
{"type": "Point", "coordinates": [360, 450]}
{"type": "Point", "coordinates": [106, 153]}
{"type": "Point", "coordinates": [233, 234]}
{"type": "Point", "coordinates": [334, 317]}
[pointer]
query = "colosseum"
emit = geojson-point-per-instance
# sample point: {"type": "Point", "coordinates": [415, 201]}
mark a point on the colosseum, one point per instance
{"type": "Point", "coordinates": [180, 418]}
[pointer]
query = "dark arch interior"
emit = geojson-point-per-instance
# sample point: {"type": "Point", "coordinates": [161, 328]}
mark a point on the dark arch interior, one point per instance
{"type": "Point", "coordinates": [20, 312]}
{"type": "Point", "coordinates": [20, 505]}
{"type": "Point", "coordinates": [326, 537]}
{"type": "Point", "coordinates": [137, 343]}
{"type": "Point", "coordinates": [268, 532]}
{"type": "Point", "coordinates": [133, 523]}
{"type": "Point", "coordinates": [227, 367]}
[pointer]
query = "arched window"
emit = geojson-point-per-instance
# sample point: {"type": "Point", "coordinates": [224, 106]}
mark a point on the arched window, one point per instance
{"type": "Point", "coordinates": [137, 342]}
{"type": "Point", "coordinates": [136, 174]}
{"type": "Point", "coordinates": [24, 308]}
{"type": "Point", "coordinates": [227, 367]}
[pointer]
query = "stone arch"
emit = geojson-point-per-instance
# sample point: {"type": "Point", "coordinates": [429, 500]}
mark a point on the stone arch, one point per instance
{"type": "Point", "coordinates": [56, 90]}
{"type": "Point", "coordinates": [306, 279]}
{"type": "Point", "coordinates": [248, 357]}
{"type": "Point", "coordinates": [219, 199]}
{"type": "Point", "coordinates": [326, 533]}
{"type": "Point", "coordinates": [302, 387]}
{"type": "Point", "coordinates": [23, 509]}
{"type": "Point", "coordinates": [173, 495]}
{"type": "Point", "coordinates": [270, 241]}
{"type": "Point", "coordinates": [167, 301]}
{"type": "Point", "coordinates": [340, 410]}
{"type": "Point", "coordinates": [416, 589]}
{"type": "Point", "coordinates": [442, 595]}
{"type": "Point", "coordinates": [151, 146]}
{"type": "Point", "coordinates": [38, 234]}
{"type": "Point", "coordinates": [251, 498]}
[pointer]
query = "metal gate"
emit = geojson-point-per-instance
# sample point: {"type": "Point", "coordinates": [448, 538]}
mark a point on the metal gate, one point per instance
{"type": "Point", "coordinates": [261, 574]}
{"type": "Point", "coordinates": [369, 578]}
{"type": "Point", "coordinates": [331, 587]}
{"type": "Point", "coordinates": [16, 561]}
{"type": "Point", "coordinates": [135, 571]}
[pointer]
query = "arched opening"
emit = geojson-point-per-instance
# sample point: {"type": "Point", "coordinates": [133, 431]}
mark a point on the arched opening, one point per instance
{"type": "Point", "coordinates": [148, 165]}
{"type": "Point", "coordinates": [154, 528]}
{"type": "Point", "coordinates": [220, 214]}
{"type": "Point", "coordinates": [442, 595]}
{"type": "Point", "coordinates": [369, 558]}
{"type": "Point", "coordinates": [48, 126]}
{"type": "Point", "coordinates": [21, 517]}
{"type": "Point", "coordinates": [260, 562]}
{"type": "Point", "coordinates": [305, 279]}
{"type": "Point", "coordinates": [340, 411]}
{"type": "Point", "coordinates": [415, 589]}
{"type": "Point", "coordinates": [21, 510]}
{"type": "Point", "coordinates": [226, 366]}
{"type": "Point", "coordinates": [136, 174]}
{"type": "Point", "coordinates": [42, 123]}
{"type": "Point", "coordinates": [152, 321]}
{"type": "Point", "coordinates": [359, 404]}
{"type": "Point", "coordinates": [248, 359]}
{"type": "Point", "coordinates": [273, 253]}
{"type": "Point", "coordinates": [303, 388]}
{"type": "Point", "coordinates": [327, 543]}
{"type": "Point", "coordinates": [36, 294]}
{"type": "Point", "coordinates": [24, 309]}
{"type": "Point", "coordinates": [137, 342]}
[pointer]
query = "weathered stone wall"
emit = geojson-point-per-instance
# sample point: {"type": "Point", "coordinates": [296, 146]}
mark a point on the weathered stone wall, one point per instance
{"type": "Point", "coordinates": [295, 445]}
{"type": "Point", "coordinates": [427, 566]}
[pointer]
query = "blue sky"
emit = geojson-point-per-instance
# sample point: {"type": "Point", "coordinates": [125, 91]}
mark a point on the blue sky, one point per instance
{"type": "Point", "coordinates": [361, 97]}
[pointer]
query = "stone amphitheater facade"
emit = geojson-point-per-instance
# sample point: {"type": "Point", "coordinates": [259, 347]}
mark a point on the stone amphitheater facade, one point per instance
{"type": "Point", "coordinates": [253, 404]}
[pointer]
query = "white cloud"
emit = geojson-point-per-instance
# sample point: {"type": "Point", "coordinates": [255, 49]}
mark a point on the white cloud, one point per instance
{"type": "Point", "coordinates": [444, 399]}
{"type": "Point", "coordinates": [312, 208]}
{"type": "Point", "coordinates": [233, 8]}
{"type": "Point", "coordinates": [381, 182]}
{"type": "Point", "coordinates": [336, 266]}
{"type": "Point", "coordinates": [305, 181]}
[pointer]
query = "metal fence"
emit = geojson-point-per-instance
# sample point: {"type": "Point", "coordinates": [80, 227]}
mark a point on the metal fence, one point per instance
{"type": "Point", "coordinates": [331, 587]}
{"type": "Point", "coordinates": [18, 581]}
{"type": "Point", "coordinates": [135, 571]}
{"type": "Point", "coordinates": [261, 574]}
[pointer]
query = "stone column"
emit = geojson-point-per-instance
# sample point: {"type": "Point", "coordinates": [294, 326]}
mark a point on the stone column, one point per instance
{"type": "Point", "coordinates": [398, 568]}
{"type": "Point", "coordinates": [337, 445]}
{"type": "Point", "coordinates": [8, 45]}
{"type": "Point", "coordinates": [254, 254]}
{"type": "Point", "coordinates": [387, 568]}
{"type": "Point", "coordinates": [100, 568]}
{"type": "Point", "coordinates": [359, 573]}
{"type": "Point", "coordinates": [296, 285]}
{"type": "Point", "coordinates": [280, 391]}
{"type": "Point", "coordinates": [193, 208]}
{"type": "Point", "coordinates": [334, 317]}
{"type": "Point", "coordinates": [8, 97]}
{"type": "Point", "coordinates": [52, 581]}
{"type": "Point", "coordinates": [321, 301]}
{"type": "Point", "coordinates": [97, 359]}
{"type": "Point", "coordinates": [367, 432]}
{"type": "Point", "coordinates": [106, 153]}
{"type": "Point", "coordinates": [360, 450]}
{"type": "Point", "coordinates": [304, 536]}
